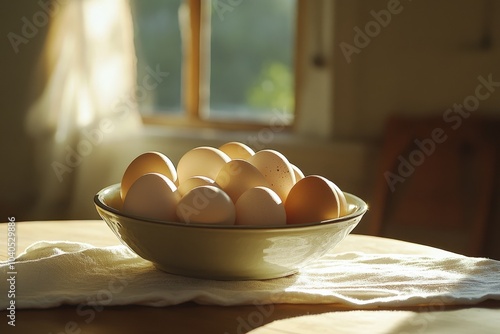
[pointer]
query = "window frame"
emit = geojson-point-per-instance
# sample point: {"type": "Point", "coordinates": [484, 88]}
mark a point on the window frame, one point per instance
{"type": "Point", "coordinates": [195, 86]}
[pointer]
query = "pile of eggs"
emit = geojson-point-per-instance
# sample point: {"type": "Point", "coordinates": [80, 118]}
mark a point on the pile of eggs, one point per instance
{"type": "Point", "coordinates": [229, 185]}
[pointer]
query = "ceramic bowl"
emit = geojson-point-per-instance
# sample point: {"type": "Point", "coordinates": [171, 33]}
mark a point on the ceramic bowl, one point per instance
{"type": "Point", "coordinates": [226, 252]}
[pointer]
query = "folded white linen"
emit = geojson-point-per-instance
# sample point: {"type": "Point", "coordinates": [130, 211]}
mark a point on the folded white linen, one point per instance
{"type": "Point", "coordinates": [49, 274]}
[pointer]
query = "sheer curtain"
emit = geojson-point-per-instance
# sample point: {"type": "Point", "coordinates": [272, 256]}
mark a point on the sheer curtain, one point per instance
{"type": "Point", "coordinates": [87, 98]}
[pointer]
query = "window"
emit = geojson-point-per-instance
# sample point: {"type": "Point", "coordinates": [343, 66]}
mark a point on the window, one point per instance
{"type": "Point", "coordinates": [158, 43]}
{"type": "Point", "coordinates": [227, 60]}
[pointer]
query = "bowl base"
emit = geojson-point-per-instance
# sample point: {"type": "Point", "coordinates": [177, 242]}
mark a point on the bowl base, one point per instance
{"type": "Point", "coordinates": [223, 277]}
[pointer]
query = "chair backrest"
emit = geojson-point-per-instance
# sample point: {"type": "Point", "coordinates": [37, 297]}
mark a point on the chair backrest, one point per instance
{"type": "Point", "coordinates": [435, 183]}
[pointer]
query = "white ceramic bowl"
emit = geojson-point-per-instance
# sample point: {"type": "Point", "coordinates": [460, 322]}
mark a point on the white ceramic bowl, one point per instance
{"type": "Point", "coordinates": [226, 252]}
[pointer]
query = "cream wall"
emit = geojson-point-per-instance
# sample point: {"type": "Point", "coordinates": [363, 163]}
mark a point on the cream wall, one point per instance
{"type": "Point", "coordinates": [17, 172]}
{"type": "Point", "coordinates": [425, 60]}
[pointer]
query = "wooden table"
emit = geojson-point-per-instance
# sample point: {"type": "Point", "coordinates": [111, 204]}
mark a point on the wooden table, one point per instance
{"type": "Point", "coordinates": [193, 318]}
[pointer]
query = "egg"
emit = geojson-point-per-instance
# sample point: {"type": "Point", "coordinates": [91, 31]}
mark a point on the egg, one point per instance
{"type": "Point", "coordinates": [201, 161]}
{"type": "Point", "coordinates": [237, 150]}
{"type": "Point", "coordinates": [149, 162]}
{"type": "Point", "coordinates": [206, 205]}
{"type": "Point", "coordinates": [276, 169]}
{"type": "Point", "coordinates": [298, 173]}
{"type": "Point", "coordinates": [228, 185]}
{"type": "Point", "coordinates": [260, 206]}
{"type": "Point", "coordinates": [314, 199]}
{"type": "Point", "coordinates": [152, 196]}
{"type": "Point", "coordinates": [344, 207]}
{"type": "Point", "coordinates": [237, 176]}
{"type": "Point", "coordinates": [193, 182]}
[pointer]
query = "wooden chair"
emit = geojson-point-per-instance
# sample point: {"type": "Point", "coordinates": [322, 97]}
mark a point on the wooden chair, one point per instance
{"type": "Point", "coordinates": [436, 190]}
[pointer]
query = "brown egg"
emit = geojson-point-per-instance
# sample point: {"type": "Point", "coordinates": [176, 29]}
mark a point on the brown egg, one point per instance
{"type": "Point", "coordinates": [344, 208]}
{"type": "Point", "coordinates": [201, 161]}
{"type": "Point", "coordinates": [237, 176]}
{"type": "Point", "coordinates": [237, 150]}
{"type": "Point", "coordinates": [206, 205]}
{"type": "Point", "coordinates": [152, 196]}
{"type": "Point", "coordinates": [149, 162]}
{"type": "Point", "coordinates": [193, 182]}
{"type": "Point", "coordinates": [314, 199]}
{"type": "Point", "coordinates": [270, 212]}
{"type": "Point", "coordinates": [276, 169]}
{"type": "Point", "coordinates": [298, 173]}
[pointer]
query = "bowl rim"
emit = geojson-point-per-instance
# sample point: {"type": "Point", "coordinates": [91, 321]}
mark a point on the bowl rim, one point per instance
{"type": "Point", "coordinates": [359, 211]}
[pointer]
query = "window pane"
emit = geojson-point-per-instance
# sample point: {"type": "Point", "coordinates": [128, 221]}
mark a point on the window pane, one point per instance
{"type": "Point", "coordinates": [251, 69]}
{"type": "Point", "coordinates": [159, 50]}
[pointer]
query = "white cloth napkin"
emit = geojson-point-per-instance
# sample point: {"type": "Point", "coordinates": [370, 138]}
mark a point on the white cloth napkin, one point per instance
{"type": "Point", "coordinates": [49, 274]}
